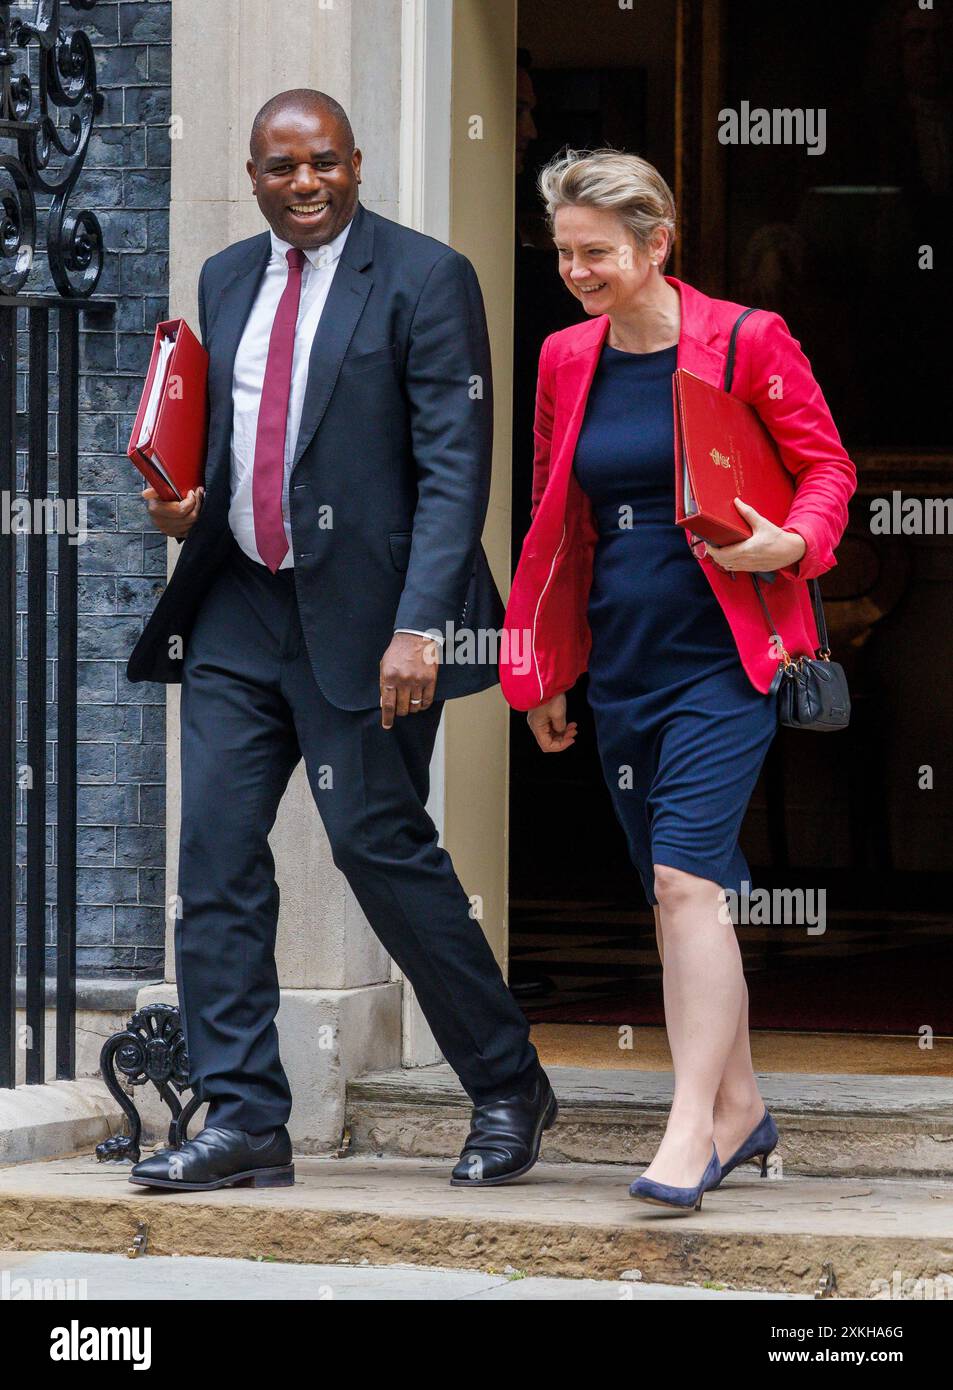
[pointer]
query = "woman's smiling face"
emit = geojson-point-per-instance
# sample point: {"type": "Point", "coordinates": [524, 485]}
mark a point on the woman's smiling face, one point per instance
{"type": "Point", "coordinates": [599, 260]}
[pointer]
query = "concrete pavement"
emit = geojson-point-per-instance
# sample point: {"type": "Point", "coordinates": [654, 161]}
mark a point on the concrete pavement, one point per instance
{"type": "Point", "coordinates": [164, 1277]}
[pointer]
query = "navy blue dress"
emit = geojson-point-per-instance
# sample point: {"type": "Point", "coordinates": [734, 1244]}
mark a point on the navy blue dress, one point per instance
{"type": "Point", "coordinates": [682, 732]}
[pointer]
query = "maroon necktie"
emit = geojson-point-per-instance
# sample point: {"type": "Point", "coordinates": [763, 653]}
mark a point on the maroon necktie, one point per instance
{"type": "Point", "coordinates": [269, 469]}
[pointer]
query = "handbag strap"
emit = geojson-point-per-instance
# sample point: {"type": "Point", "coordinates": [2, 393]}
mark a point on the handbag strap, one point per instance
{"type": "Point", "coordinates": [732, 348]}
{"type": "Point", "coordinates": [816, 601]}
{"type": "Point", "coordinates": [778, 640]}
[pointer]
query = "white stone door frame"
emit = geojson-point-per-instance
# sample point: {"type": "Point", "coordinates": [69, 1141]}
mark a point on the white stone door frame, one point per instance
{"type": "Point", "coordinates": [457, 142]}
{"type": "Point", "coordinates": [424, 203]}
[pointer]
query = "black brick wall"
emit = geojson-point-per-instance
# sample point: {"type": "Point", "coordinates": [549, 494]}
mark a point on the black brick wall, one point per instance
{"type": "Point", "coordinates": [121, 841]}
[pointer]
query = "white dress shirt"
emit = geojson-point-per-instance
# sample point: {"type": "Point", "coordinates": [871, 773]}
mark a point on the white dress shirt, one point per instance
{"type": "Point", "coordinates": [250, 361]}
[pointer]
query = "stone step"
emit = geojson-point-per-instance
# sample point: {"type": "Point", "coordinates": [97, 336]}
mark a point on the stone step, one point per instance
{"type": "Point", "coordinates": [831, 1125]}
{"type": "Point", "coordinates": [876, 1237]}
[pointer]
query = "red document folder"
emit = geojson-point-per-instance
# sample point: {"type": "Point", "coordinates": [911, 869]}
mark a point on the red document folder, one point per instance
{"type": "Point", "coordinates": [169, 438]}
{"type": "Point", "coordinates": [723, 451]}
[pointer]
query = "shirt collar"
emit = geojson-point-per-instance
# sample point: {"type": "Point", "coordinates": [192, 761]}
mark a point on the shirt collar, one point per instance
{"type": "Point", "coordinates": [321, 257]}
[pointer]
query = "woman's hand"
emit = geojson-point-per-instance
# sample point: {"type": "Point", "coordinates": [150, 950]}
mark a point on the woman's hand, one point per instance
{"type": "Point", "coordinates": [767, 548]}
{"type": "Point", "coordinates": [548, 723]}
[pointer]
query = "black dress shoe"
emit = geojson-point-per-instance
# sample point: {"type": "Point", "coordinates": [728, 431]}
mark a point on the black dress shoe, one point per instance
{"type": "Point", "coordinates": [220, 1158]}
{"type": "Point", "coordinates": [505, 1136]}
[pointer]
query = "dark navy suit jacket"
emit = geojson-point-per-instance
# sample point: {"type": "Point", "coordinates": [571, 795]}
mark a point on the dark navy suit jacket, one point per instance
{"type": "Point", "coordinates": [391, 473]}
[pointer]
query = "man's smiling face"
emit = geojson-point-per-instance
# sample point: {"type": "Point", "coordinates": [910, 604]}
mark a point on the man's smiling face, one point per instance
{"type": "Point", "coordinates": [304, 176]}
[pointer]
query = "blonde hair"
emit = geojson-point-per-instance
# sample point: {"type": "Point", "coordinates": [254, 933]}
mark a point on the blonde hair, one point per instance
{"type": "Point", "coordinates": [622, 183]}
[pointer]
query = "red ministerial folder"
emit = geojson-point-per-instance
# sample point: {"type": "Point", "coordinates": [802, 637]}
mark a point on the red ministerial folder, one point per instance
{"type": "Point", "coordinates": [169, 439]}
{"type": "Point", "coordinates": [723, 451]}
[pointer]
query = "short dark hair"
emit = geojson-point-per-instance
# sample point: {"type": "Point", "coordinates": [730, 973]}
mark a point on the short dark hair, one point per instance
{"type": "Point", "coordinates": [301, 99]}
{"type": "Point", "coordinates": [524, 59]}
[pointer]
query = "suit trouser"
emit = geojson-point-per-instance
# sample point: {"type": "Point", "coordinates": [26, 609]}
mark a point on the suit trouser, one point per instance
{"type": "Point", "coordinates": [250, 709]}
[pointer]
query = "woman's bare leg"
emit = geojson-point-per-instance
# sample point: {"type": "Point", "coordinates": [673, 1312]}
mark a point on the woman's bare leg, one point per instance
{"type": "Point", "coordinates": [738, 1104]}
{"type": "Point", "coordinates": [703, 986]}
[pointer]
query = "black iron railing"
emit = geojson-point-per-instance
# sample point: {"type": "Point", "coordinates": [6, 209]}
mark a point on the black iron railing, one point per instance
{"type": "Point", "coordinates": [46, 118]}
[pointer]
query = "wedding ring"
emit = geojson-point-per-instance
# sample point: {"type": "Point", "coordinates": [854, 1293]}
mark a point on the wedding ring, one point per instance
{"type": "Point", "coordinates": [416, 702]}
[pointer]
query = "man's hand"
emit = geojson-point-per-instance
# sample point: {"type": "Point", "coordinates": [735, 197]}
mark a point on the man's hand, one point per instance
{"type": "Point", "coordinates": [174, 519]}
{"type": "Point", "coordinates": [548, 723]}
{"type": "Point", "coordinates": [408, 676]}
{"type": "Point", "coordinates": [767, 548]}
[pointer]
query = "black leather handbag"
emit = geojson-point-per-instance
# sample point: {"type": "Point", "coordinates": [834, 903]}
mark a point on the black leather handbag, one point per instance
{"type": "Point", "coordinates": [812, 690]}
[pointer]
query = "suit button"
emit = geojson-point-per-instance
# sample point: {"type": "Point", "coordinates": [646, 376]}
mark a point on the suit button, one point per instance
{"type": "Point", "coordinates": [302, 554]}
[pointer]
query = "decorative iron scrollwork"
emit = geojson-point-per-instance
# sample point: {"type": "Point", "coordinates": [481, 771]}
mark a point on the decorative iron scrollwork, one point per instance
{"type": "Point", "coordinates": [50, 153]}
{"type": "Point", "coordinates": [151, 1047]}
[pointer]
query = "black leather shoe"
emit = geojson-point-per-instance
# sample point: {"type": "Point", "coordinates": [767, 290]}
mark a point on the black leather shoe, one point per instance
{"type": "Point", "coordinates": [220, 1158]}
{"type": "Point", "coordinates": [505, 1136]}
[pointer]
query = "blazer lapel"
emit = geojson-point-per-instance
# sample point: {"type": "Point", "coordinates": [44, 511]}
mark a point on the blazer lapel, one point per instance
{"type": "Point", "coordinates": [573, 381]}
{"type": "Point", "coordinates": [347, 296]}
{"type": "Point", "coordinates": [234, 307]}
{"type": "Point", "coordinates": [698, 329]}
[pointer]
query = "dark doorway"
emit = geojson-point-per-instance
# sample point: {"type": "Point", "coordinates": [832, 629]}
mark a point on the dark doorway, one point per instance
{"type": "Point", "coordinates": [839, 243]}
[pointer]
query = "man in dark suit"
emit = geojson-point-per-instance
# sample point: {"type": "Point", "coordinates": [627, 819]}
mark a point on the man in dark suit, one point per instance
{"type": "Point", "coordinates": [334, 548]}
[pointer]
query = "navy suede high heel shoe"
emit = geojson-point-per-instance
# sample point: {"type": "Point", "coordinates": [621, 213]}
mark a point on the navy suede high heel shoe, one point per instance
{"type": "Point", "coordinates": [662, 1195]}
{"type": "Point", "coordinates": [760, 1143]}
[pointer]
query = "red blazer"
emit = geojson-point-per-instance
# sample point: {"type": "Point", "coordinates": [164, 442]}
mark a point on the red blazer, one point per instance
{"type": "Point", "coordinates": [546, 631]}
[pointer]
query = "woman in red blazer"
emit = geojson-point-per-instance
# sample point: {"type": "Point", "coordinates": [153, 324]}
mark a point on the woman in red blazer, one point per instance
{"type": "Point", "coordinates": [679, 655]}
